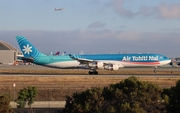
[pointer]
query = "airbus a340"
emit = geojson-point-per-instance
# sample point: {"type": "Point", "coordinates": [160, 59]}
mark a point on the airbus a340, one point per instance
{"type": "Point", "coordinates": [92, 62]}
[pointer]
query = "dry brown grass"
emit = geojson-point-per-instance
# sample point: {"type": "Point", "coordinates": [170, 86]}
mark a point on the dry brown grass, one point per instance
{"type": "Point", "coordinates": [56, 84]}
{"type": "Point", "coordinates": [57, 87]}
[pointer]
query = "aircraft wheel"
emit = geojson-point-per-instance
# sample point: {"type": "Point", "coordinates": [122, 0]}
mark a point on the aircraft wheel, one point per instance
{"type": "Point", "coordinates": [90, 72]}
{"type": "Point", "coordinates": [155, 71]}
{"type": "Point", "coordinates": [95, 72]}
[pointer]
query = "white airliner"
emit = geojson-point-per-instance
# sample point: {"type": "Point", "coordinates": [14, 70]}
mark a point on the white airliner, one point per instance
{"type": "Point", "coordinates": [59, 9]}
{"type": "Point", "coordinates": [92, 62]}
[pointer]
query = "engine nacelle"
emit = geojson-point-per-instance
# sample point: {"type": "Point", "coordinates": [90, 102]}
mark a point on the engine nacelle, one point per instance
{"type": "Point", "coordinates": [113, 67]}
{"type": "Point", "coordinates": [97, 65]}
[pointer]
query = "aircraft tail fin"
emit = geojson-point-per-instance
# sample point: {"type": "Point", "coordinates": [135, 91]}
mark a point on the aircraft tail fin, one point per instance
{"type": "Point", "coordinates": [57, 53]}
{"type": "Point", "coordinates": [28, 50]}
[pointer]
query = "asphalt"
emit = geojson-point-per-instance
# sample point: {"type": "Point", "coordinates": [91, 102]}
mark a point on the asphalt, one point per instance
{"type": "Point", "coordinates": [38, 67]}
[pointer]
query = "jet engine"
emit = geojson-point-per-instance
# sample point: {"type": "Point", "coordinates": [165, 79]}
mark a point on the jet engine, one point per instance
{"type": "Point", "coordinates": [97, 65]}
{"type": "Point", "coordinates": [113, 67]}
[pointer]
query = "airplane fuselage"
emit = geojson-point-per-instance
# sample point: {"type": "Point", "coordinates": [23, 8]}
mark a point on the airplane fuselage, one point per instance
{"type": "Point", "coordinates": [126, 60]}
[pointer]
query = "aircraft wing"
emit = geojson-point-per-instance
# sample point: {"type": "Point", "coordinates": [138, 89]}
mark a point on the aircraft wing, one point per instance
{"type": "Point", "coordinates": [94, 64]}
{"type": "Point", "coordinates": [81, 60]}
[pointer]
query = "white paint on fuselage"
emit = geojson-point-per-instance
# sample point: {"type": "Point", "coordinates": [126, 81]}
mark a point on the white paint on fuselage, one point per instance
{"type": "Point", "coordinates": [162, 63]}
{"type": "Point", "coordinates": [76, 64]}
{"type": "Point", "coordinates": [67, 64]}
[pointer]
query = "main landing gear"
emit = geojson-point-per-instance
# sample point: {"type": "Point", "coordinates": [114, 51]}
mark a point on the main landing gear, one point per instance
{"type": "Point", "coordinates": [93, 72]}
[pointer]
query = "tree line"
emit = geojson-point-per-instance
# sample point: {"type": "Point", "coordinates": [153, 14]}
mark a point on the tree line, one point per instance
{"type": "Point", "coordinates": [128, 96]}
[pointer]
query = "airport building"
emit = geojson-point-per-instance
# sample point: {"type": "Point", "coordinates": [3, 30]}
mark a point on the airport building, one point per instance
{"type": "Point", "coordinates": [8, 53]}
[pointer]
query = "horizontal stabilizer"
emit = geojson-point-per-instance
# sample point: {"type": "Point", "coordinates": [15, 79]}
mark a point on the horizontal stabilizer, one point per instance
{"type": "Point", "coordinates": [26, 59]}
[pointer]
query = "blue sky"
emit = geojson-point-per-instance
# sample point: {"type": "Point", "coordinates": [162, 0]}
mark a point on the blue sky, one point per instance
{"type": "Point", "coordinates": [94, 26]}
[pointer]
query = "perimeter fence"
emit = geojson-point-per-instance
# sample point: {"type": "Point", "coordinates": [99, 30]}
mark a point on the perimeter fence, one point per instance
{"type": "Point", "coordinates": [46, 92]}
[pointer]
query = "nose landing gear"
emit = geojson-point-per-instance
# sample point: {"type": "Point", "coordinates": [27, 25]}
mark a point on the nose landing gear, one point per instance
{"type": "Point", "coordinates": [155, 69]}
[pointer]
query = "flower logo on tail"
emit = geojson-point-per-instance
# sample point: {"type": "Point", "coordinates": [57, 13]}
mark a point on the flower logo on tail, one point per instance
{"type": "Point", "coordinates": [27, 49]}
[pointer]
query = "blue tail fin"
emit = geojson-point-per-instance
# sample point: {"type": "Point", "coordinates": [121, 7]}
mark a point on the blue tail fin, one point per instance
{"type": "Point", "coordinates": [28, 50]}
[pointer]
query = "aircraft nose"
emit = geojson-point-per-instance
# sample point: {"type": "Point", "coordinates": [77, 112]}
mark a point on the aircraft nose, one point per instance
{"type": "Point", "coordinates": [169, 61]}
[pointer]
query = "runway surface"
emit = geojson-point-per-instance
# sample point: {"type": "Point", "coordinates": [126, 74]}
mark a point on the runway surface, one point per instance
{"type": "Point", "coordinates": [41, 70]}
{"type": "Point", "coordinates": [37, 67]}
{"type": "Point", "coordinates": [32, 75]}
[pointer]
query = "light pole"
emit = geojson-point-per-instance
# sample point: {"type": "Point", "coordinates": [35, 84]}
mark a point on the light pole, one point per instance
{"type": "Point", "coordinates": [14, 85]}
